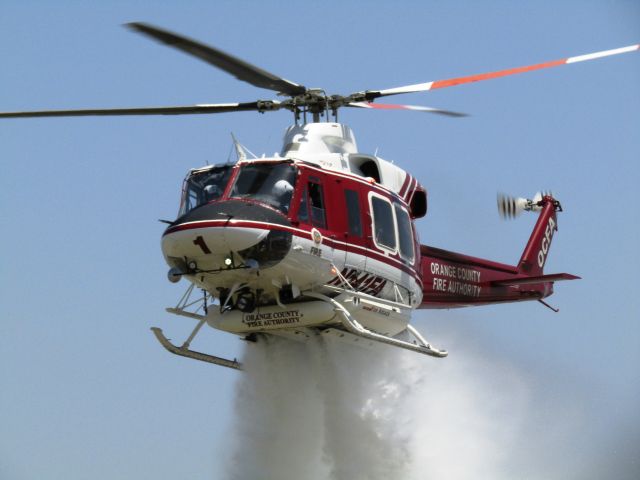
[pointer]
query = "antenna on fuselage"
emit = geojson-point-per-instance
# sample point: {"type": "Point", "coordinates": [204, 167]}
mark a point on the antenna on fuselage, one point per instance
{"type": "Point", "coordinates": [241, 150]}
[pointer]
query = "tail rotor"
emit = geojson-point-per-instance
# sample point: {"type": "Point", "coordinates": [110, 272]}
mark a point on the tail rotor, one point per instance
{"type": "Point", "coordinates": [510, 207]}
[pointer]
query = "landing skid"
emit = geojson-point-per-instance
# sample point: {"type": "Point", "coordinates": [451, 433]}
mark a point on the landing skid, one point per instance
{"type": "Point", "coordinates": [419, 344]}
{"type": "Point", "coordinates": [186, 352]}
{"type": "Point", "coordinates": [183, 309]}
{"type": "Point", "coordinates": [349, 330]}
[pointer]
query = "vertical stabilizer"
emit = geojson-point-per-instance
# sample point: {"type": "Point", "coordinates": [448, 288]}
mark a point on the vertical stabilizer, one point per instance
{"type": "Point", "coordinates": [535, 253]}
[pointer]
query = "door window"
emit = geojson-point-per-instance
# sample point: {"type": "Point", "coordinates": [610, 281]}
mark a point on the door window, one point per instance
{"type": "Point", "coordinates": [353, 212]}
{"type": "Point", "coordinates": [316, 202]}
{"type": "Point", "coordinates": [312, 206]}
{"type": "Point", "coordinates": [303, 210]}
{"type": "Point", "coordinates": [405, 233]}
{"type": "Point", "coordinates": [384, 228]}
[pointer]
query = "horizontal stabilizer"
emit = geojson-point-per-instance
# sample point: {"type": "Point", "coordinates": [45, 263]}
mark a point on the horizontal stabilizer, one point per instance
{"type": "Point", "coordinates": [554, 277]}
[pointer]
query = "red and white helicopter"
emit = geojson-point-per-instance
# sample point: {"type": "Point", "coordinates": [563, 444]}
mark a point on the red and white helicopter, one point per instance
{"type": "Point", "coordinates": [320, 239]}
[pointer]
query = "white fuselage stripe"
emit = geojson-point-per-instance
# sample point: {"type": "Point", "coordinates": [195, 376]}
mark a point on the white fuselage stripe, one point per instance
{"type": "Point", "coordinates": [303, 233]}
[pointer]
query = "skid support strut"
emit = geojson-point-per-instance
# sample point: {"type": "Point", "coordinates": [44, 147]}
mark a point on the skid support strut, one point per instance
{"type": "Point", "coordinates": [185, 352]}
{"type": "Point", "coordinates": [352, 325]}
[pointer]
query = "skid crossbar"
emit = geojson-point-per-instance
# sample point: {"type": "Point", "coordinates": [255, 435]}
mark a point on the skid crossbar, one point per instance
{"type": "Point", "coordinates": [353, 326]}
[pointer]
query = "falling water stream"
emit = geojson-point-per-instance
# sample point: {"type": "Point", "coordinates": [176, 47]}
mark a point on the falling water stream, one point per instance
{"type": "Point", "coordinates": [327, 410]}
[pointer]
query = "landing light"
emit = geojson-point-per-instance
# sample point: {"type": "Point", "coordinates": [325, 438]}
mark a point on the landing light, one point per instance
{"type": "Point", "coordinates": [228, 261]}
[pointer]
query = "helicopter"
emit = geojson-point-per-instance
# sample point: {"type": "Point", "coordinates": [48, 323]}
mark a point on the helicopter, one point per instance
{"type": "Point", "coordinates": [320, 239]}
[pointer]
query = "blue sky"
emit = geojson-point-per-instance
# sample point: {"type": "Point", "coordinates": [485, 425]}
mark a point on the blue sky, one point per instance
{"type": "Point", "coordinates": [86, 391]}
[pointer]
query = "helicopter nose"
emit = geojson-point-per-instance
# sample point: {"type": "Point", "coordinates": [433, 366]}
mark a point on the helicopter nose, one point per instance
{"type": "Point", "coordinates": [213, 231]}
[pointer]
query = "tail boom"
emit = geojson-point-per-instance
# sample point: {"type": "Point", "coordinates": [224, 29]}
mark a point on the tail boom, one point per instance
{"type": "Point", "coordinates": [452, 280]}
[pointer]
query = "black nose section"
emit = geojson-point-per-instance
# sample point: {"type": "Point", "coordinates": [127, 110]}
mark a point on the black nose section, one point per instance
{"type": "Point", "coordinates": [233, 210]}
{"type": "Point", "coordinates": [268, 251]}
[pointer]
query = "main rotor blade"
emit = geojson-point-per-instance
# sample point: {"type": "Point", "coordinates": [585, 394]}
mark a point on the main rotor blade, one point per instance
{"type": "Point", "coordinates": [183, 110]}
{"type": "Point", "coordinates": [416, 108]}
{"type": "Point", "coordinates": [236, 67]}
{"type": "Point", "coordinates": [423, 87]}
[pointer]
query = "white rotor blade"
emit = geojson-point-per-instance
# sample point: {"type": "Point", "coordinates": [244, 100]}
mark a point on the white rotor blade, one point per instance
{"type": "Point", "coordinates": [423, 87]}
{"type": "Point", "coordinates": [416, 108]}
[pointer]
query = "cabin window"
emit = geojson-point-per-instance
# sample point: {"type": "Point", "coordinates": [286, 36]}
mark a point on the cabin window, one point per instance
{"type": "Point", "coordinates": [316, 201]}
{"type": "Point", "coordinates": [353, 212]}
{"type": "Point", "coordinates": [303, 210]}
{"type": "Point", "coordinates": [203, 186]}
{"type": "Point", "coordinates": [384, 227]}
{"type": "Point", "coordinates": [405, 233]}
{"type": "Point", "coordinates": [266, 183]}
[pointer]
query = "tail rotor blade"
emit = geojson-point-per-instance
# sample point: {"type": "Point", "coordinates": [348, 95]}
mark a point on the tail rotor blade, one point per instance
{"type": "Point", "coordinates": [510, 207]}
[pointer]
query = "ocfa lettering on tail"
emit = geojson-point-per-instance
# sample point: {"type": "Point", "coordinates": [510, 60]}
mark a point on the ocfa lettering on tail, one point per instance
{"type": "Point", "coordinates": [546, 242]}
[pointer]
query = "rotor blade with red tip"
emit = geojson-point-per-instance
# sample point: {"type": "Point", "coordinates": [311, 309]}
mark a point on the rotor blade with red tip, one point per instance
{"type": "Point", "coordinates": [416, 108]}
{"type": "Point", "coordinates": [423, 87]}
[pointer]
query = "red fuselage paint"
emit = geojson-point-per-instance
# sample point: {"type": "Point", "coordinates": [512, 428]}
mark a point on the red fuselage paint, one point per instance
{"type": "Point", "coordinates": [446, 279]}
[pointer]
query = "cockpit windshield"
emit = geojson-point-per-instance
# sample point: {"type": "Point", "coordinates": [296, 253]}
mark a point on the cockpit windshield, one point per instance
{"type": "Point", "coordinates": [203, 186]}
{"type": "Point", "coordinates": [268, 183]}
